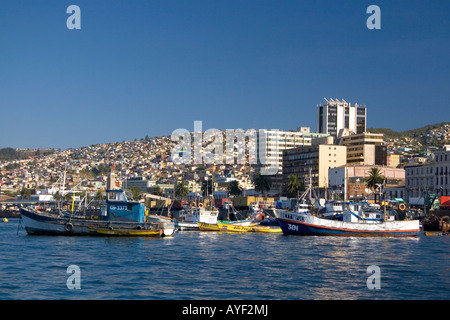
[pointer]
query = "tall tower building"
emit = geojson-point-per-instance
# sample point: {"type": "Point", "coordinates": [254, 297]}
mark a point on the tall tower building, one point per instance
{"type": "Point", "coordinates": [334, 116]}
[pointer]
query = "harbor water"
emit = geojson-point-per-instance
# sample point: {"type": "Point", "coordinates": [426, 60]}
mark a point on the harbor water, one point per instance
{"type": "Point", "coordinates": [222, 266]}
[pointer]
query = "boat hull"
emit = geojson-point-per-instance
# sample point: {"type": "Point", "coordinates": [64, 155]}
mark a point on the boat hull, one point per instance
{"type": "Point", "coordinates": [186, 226]}
{"type": "Point", "coordinates": [311, 225]}
{"type": "Point", "coordinates": [232, 227]}
{"type": "Point", "coordinates": [126, 233]}
{"type": "Point", "coordinates": [202, 226]}
{"type": "Point", "coordinates": [268, 229]}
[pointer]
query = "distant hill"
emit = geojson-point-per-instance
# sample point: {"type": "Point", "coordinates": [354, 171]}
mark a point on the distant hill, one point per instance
{"type": "Point", "coordinates": [8, 154]}
{"type": "Point", "coordinates": [413, 133]}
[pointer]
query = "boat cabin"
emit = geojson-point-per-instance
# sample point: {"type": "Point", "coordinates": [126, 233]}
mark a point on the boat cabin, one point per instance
{"type": "Point", "coordinates": [361, 212]}
{"type": "Point", "coordinates": [119, 208]}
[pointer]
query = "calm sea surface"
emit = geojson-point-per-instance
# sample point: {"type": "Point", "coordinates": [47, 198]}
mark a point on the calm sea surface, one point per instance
{"type": "Point", "coordinates": [202, 265]}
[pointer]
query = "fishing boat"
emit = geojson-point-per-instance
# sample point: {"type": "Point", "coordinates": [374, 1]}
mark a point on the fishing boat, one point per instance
{"type": "Point", "coordinates": [120, 216]}
{"type": "Point", "coordinates": [193, 215]}
{"type": "Point", "coordinates": [358, 220]}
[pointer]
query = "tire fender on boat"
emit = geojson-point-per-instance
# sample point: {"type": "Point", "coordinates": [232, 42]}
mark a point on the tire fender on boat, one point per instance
{"type": "Point", "coordinates": [68, 227]}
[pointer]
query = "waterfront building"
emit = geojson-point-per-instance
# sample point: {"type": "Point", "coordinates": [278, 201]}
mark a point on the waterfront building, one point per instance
{"type": "Point", "coordinates": [334, 116]}
{"type": "Point", "coordinates": [348, 180]}
{"type": "Point", "coordinates": [365, 148]}
{"type": "Point", "coordinates": [312, 163]}
{"type": "Point", "coordinates": [431, 177]}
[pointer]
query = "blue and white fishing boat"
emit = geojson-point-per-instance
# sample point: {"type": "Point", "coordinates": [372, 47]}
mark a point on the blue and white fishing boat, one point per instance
{"type": "Point", "coordinates": [119, 217]}
{"type": "Point", "coordinates": [358, 220]}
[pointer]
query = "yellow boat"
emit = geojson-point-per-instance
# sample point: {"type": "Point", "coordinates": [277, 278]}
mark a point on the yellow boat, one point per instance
{"type": "Point", "coordinates": [126, 232]}
{"type": "Point", "coordinates": [202, 226]}
{"type": "Point", "coordinates": [232, 227]}
{"type": "Point", "coordinates": [268, 229]}
{"type": "Point", "coordinates": [433, 233]}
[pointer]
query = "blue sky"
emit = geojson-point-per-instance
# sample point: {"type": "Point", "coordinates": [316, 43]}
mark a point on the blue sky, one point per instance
{"type": "Point", "coordinates": [142, 67]}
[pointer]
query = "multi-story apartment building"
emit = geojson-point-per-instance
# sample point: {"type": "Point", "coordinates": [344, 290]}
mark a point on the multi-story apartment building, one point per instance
{"type": "Point", "coordinates": [273, 142]}
{"type": "Point", "coordinates": [270, 146]}
{"type": "Point", "coordinates": [334, 116]}
{"type": "Point", "coordinates": [365, 148]}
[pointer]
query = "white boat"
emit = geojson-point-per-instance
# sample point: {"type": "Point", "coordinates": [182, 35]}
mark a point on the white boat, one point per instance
{"type": "Point", "coordinates": [192, 215]}
{"type": "Point", "coordinates": [358, 220]}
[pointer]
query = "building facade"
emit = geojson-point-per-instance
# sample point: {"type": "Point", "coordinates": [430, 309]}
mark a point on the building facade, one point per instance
{"type": "Point", "coordinates": [334, 116]}
{"type": "Point", "coordinates": [311, 163]}
{"type": "Point", "coordinates": [365, 148]}
{"type": "Point", "coordinates": [141, 182]}
{"type": "Point", "coordinates": [272, 143]}
{"type": "Point", "coordinates": [432, 177]}
{"type": "Point", "coordinates": [348, 180]}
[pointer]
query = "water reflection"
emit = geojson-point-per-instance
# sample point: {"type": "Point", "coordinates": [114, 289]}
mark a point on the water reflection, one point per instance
{"type": "Point", "coordinates": [212, 265]}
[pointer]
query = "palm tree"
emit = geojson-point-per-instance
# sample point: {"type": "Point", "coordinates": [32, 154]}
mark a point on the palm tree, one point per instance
{"type": "Point", "coordinates": [293, 185]}
{"type": "Point", "coordinates": [374, 179]}
{"type": "Point", "coordinates": [234, 188]}
{"type": "Point", "coordinates": [181, 190]}
{"type": "Point", "coordinates": [262, 183]}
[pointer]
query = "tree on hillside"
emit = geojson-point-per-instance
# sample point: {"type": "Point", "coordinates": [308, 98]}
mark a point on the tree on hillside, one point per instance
{"type": "Point", "coordinates": [135, 192]}
{"type": "Point", "coordinates": [25, 193]}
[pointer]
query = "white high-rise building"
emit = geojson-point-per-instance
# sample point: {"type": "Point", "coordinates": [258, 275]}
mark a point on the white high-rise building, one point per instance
{"type": "Point", "coordinates": [334, 116]}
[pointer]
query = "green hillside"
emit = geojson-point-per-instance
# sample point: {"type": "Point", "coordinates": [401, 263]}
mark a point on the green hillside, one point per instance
{"type": "Point", "coordinates": [413, 133]}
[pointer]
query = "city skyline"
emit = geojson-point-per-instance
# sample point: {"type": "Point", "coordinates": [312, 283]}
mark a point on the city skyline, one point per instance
{"type": "Point", "coordinates": [141, 69]}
